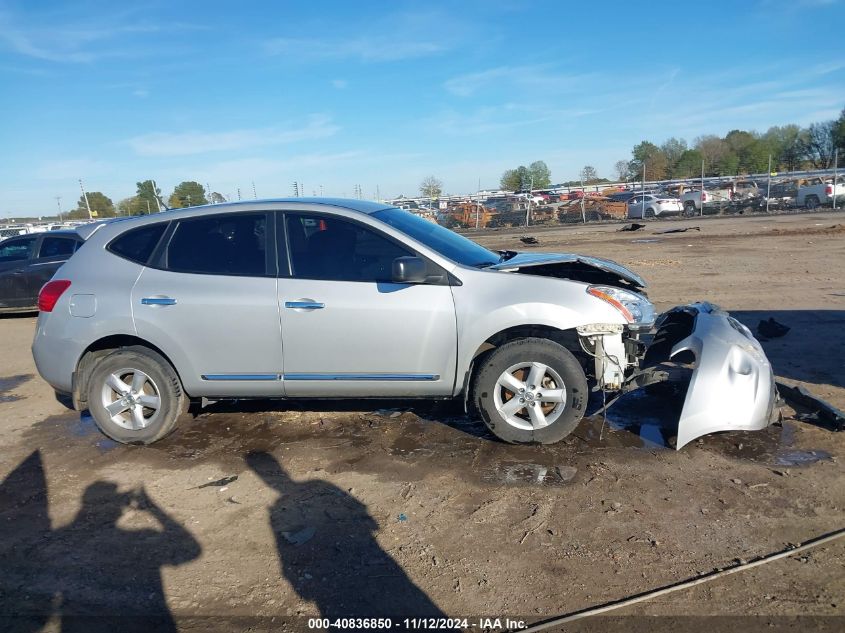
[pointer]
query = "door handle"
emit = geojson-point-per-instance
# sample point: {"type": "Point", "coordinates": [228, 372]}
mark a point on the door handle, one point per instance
{"type": "Point", "coordinates": [158, 301]}
{"type": "Point", "coordinates": [305, 304]}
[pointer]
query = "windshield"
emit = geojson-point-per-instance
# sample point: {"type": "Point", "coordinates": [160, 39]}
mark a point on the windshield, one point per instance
{"type": "Point", "coordinates": [448, 243]}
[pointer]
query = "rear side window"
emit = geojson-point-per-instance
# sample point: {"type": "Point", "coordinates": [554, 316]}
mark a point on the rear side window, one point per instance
{"type": "Point", "coordinates": [57, 247]}
{"type": "Point", "coordinates": [229, 244]}
{"type": "Point", "coordinates": [138, 244]}
{"type": "Point", "coordinates": [16, 250]}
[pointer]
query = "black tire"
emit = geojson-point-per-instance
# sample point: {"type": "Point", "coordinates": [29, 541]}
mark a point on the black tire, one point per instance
{"type": "Point", "coordinates": [649, 213]}
{"type": "Point", "coordinates": [163, 382]}
{"type": "Point", "coordinates": [527, 350]}
{"type": "Point", "coordinates": [811, 202]}
{"type": "Point", "coordinates": [689, 209]}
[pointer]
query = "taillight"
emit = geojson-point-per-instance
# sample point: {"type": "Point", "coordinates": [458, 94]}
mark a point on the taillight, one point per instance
{"type": "Point", "coordinates": [703, 196]}
{"type": "Point", "coordinates": [828, 190]}
{"type": "Point", "coordinates": [50, 294]}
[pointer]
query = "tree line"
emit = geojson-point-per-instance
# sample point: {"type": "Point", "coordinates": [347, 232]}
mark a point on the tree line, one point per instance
{"type": "Point", "coordinates": [147, 199]}
{"type": "Point", "coordinates": [791, 148]}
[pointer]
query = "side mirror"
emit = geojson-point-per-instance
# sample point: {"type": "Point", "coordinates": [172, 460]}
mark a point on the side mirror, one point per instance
{"type": "Point", "coordinates": [409, 270]}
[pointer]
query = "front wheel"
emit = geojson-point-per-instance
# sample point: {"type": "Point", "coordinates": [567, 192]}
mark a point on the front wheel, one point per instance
{"type": "Point", "coordinates": [135, 396]}
{"type": "Point", "coordinates": [689, 209]}
{"type": "Point", "coordinates": [530, 390]}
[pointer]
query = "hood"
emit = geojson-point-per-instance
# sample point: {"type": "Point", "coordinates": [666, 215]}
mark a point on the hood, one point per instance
{"type": "Point", "coordinates": [555, 264]}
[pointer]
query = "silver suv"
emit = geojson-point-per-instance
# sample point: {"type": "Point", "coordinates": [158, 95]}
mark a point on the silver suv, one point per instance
{"type": "Point", "coordinates": [316, 298]}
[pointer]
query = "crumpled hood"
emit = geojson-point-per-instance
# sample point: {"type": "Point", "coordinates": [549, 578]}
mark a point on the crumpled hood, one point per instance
{"type": "Point", "coordinates": [527, 260]}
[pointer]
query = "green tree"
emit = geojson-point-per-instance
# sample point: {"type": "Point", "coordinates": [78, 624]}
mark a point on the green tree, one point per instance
{"type": "Point", "coordinates": [785, 145]}
{"type": "Point", "coordinates": [101, 206]}
{"type": "Point", "coordinates": [187, 194]}
{"type": "Point", "coordinates": [713, 149]}
{"type": "Point", "coordinates": [536, 175]}
{"type": "Point", "coordinates": [819, 143]}
{"type": "Point", "coordinates": [147, 192]}
{"type": "Point", "coordinates": [541, 174]}
{"type": "Point", "coordinates": [515, 179]}
{"type": "Point", "coordinates": [839, 135]}
{"type": "Point", "coordinates": [216, 198]}
{"type": "Point", "coordinates": [673, 149]}
{"type": "Point", "coordinates": [656, 163]}
{"type": "Point", "coordinates": [431, 187]}
{"type": "Point", "coordinates": [688, 165]}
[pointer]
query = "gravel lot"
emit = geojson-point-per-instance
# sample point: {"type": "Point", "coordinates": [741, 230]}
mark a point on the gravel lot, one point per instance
{"type": "Point", "coordinates": [267, 509]}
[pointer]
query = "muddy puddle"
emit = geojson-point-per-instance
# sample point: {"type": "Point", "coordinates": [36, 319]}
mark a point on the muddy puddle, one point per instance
{"type": "Point", "coordinates": [413, 441]}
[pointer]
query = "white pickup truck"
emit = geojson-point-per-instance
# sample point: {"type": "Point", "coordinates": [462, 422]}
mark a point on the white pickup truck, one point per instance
{"type": "Point", "coordinates": [818, 191]}
{"type": "Point", "coordinates": [710, 198]}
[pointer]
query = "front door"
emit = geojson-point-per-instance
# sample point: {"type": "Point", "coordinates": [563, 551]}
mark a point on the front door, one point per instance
{"type": "Point", "coordinates": [347, 329]}
{"type": "Point", "coordinates": [209, 299]}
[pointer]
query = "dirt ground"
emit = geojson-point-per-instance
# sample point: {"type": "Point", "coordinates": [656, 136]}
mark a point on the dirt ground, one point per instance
{"type": "Point", "coordinates": [255, 513]}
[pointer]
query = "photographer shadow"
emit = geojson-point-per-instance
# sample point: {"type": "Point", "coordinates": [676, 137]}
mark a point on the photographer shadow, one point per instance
{"type": "Point", "coordinates": [329, 554]}
{"type": "Point", "coordinates": [91, 574]}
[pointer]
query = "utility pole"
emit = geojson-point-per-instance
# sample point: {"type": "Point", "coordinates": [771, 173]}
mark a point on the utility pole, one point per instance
{"type": "Point", "coordinates": [835, 174]}
{"type": "Point", "coordinates": [643, 198]}
{"type": "Point", "coordinates": [155, 195]}
{"type": "Point", "coordinates": [254, 195]}
{"type": "Point", "coordinates": [583, 201]}
{"type": "Point", "coordinates": [239, 193]}
{"type": "Point", "coordinates": [59, 204]}
{"type": "Point", "coordinates": [701, 197]}
{"type": "Point", "coordinates": [769, 184]}
{"type": "Point", "coordinates": [85, 195]}
{"type": "Point", "coordinates": [528, 206]}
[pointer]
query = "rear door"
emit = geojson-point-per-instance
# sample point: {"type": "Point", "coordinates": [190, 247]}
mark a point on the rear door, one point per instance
{"type": "Point", "coordinates": [53, 251]}
{"type": "Point", "coordinates": [347, 329]}
{"type": "Point", "coordinates": [15, 288]}
{"type": "Point", "coordinates": [209, 297]}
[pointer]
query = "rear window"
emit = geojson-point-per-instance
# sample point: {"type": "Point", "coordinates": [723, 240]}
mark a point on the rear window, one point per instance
{"type": "Point", "coordinates": [138, 244]}
{"type": "Point", "coordinates": [229, 244]}
{"type": "Point", "coordinates": [57, 247]}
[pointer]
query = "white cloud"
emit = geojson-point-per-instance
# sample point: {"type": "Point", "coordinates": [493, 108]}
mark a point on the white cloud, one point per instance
{"type": "Point", "coordinates": [393, 38]}
{"type": "Point", "coordinates": [540, 79]}
{"type": "Point", "coordinates": [199, 142]}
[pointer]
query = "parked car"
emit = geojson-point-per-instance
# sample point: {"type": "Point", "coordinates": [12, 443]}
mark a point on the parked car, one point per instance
{"type": "Point", "coordinates": [710, 199]}
{"type": "Point", "coordinates": [27, 262]}
{"type": "Point", "coordinates": [746, 189]}
{"type": "Point", "coordinates": [818, 191]}
{"type": "Point", "coordinates": [653, 206]}
{"type": "Point", "coordinates": [347, 298]}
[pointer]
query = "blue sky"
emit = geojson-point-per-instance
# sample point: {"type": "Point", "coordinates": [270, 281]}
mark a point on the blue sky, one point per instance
{"type": "Point", "coordinates": [382, 94]}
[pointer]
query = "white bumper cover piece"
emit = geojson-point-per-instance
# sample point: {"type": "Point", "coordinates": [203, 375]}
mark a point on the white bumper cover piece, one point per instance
{"type": "Point", "coordinates": [732, 387]}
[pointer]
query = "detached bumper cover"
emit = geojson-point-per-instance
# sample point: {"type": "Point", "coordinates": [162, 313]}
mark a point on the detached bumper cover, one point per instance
{"type": "Point", "coordinates": [732, 387]}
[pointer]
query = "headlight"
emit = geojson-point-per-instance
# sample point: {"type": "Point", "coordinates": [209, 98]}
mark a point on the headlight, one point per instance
{"type": "Point", "coordinates": [636, 309]}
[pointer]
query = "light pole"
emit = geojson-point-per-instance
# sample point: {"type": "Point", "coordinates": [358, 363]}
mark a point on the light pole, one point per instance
{"type": "Point", "coordinates": [59, 204]}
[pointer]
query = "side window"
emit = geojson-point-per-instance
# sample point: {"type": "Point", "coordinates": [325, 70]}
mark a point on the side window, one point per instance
{"type": "Point", "coordinates": [138, 244]}
{"type": "Point", "coordinates": [57, 247]}
{"type": "Point", "coordinates": [228, 244]}
{"type": "Point", "coordinates": [335, 249]}
{"type": "Point", "coordinates": [16, 250]}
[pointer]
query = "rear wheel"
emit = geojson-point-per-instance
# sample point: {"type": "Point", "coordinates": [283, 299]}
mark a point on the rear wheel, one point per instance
{"type": "Point", "coordinates": [135, 396]}
{"type": "Point", "coordinates": [811, 202]}
{"type": "Point", "coordinates": [530, 390]}
{"type": "Point", "coordinates": [649, 213]}
{"type": "Point", "coordinates": [689, 209]}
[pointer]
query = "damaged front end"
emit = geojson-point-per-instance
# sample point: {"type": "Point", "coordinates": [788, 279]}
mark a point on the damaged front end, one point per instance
{"type": "Point", "coordinates": [730, 383]}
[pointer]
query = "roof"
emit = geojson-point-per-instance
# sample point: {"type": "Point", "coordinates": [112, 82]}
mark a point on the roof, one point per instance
{"type": "Point", "coordinates": [363, 206]}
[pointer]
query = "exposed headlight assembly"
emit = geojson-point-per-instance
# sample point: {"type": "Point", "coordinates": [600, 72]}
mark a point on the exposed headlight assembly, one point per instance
{"type": "Point", "coordinates": [637, 310]}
